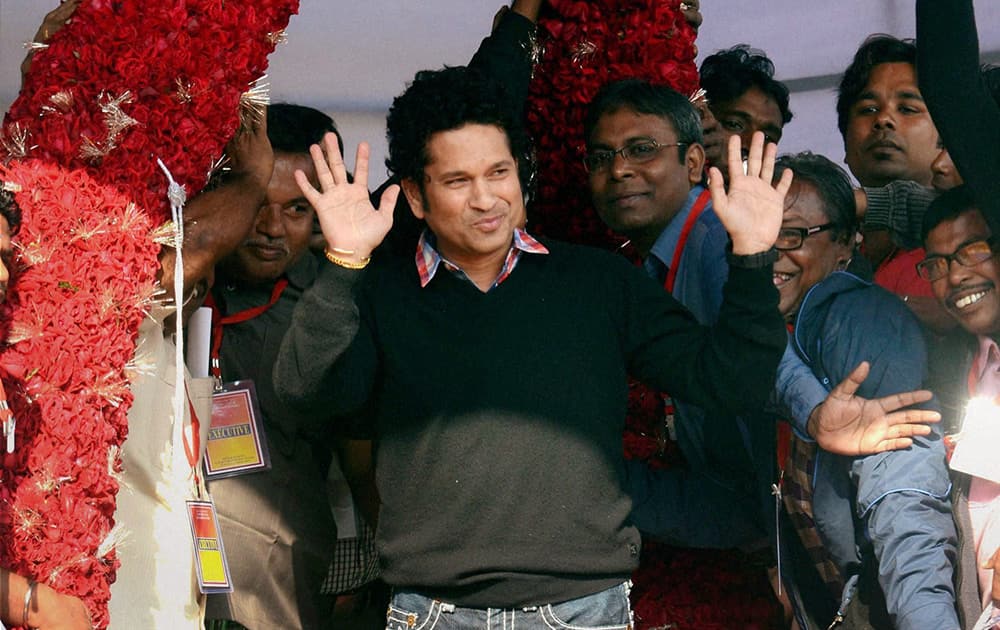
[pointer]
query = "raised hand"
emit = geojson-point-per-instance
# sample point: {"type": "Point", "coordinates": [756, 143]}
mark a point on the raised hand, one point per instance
{"type": "Point", "coordinates": [752, 208]}
{"type": "Point", "coordinates": [351, 226]}
{"type": "Point", "coordinates": [847, 424]}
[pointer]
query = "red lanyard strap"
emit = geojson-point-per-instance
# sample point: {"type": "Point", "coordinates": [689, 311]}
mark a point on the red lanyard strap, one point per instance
{"type": "Point", "coordinates": [236, 318]}
{"type": "Point", "coordinates": [675, 264]}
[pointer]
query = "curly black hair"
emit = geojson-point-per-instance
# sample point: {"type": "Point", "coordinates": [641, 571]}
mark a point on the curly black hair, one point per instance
{"type": "Point", "coordinates": [727, 74]}
{"type": "Point", "coordinates": [876, 50]}
{"type": "Point", "coordinates": [446, 99]}
{"type": "Point", "coordinates": [10, 210]}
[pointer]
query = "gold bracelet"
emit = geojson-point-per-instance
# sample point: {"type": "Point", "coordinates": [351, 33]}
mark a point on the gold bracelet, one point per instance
{"type": "Point", "coordinates": [27, 602]}
{"type": "Point", "coordinates": [347, 264]}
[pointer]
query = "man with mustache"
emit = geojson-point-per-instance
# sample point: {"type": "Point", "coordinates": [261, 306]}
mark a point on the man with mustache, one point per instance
{"type": "Point", "coordinates": [964, 271]}
{"type": "Point", "coordinates": [272, 267]}
{"type": "Point", "coordinates": [889, 136]}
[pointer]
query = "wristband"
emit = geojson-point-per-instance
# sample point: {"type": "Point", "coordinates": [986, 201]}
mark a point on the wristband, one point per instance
{"type": "Point", "coordinates": [347, 264]}
{"type": "Point", "coordinates": [751, 261]}
{"type": "Point", "coordinates": [27, 602]}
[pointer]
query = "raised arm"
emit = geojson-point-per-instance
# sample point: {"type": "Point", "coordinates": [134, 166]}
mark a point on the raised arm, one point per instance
{"type": "Point", "coordinates": [327, 341]}
{"type": "Point", "coordinates": [217, 220]}
{"type": "Point", "coordinates": [951, 84]}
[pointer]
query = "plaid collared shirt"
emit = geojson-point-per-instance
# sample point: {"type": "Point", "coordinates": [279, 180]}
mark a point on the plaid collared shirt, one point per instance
{"type": "Point", "coordinates": [429, 260]}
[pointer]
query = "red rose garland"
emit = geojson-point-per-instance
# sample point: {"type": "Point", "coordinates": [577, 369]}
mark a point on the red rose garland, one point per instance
{"type": "Point", "coordinates": [125, 83]}
{"type": "Point", "coordinates": [583, 46]}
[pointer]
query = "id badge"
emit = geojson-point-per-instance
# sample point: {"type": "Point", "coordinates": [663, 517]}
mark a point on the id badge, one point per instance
{"type": "Point", "coordinates": [209, 553]}
{"type": "Point", "coordinates": [236, 443]}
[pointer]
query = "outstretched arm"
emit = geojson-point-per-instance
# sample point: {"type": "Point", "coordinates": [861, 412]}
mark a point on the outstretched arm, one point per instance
{"type": "Point", "coordinates": [951, 84]}
{"type": "Point", "coordinates": [328, 355]}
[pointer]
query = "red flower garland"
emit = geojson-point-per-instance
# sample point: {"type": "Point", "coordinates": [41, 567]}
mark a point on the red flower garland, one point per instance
{"type": "Point", "coordinates": [585, 45]}
{"type": "Point", "coordinates": [125, 83]}
{"type": "Point", "coordinates": [184, 66]}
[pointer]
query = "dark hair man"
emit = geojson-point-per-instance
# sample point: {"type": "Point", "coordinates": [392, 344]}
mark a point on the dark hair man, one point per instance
{"type": "Point", "coordinates": [888, 133]}
{"type": "Point", "coordinates": [490, 356]}
{"type": "Point", "coordinates": [888, 136]}
{"type": "Point", "coordinates": [963, 268]}
{"type": "Point", "coordinates": [744, 98]}
{"type": "Point", "coordinates": [253, 509]}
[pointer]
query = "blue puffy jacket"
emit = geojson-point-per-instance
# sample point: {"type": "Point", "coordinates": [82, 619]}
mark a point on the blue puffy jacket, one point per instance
{"type": "Point", "coordinates": [890, 509]}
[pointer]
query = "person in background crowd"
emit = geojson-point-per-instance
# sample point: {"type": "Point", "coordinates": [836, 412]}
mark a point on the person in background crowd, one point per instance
{"type": "Point", "coordinates": [276, 523]}
{"type": "Point", "coordinates": [645, 163]}
{"type": "Point", "coordinates": [963, 268]}
{"type": "Point", "coordinates": [888, 136]}
{"type": "Point", "coordinates": [962, 264]}
{"type": "Point", "coordinates": [743, 98]}
{"type": "Point", "coordinates": [858, 528]}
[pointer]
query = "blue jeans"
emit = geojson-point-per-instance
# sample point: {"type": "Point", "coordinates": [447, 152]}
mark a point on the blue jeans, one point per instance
{"type": "Point", "coordinates": [606, 610]}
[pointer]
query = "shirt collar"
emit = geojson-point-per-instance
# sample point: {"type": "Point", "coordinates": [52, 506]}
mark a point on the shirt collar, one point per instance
{"type": "Point", "coordinates": [987, 362]}
{"type": "Point", "coordinates": [666, 243]}
{"type": "Point", "coordinates": [428, 259]}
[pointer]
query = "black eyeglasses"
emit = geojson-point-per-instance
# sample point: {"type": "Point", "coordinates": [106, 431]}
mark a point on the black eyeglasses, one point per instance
{"type": "Point", "coordinates": [637, 153]}
{"type": "Point", "coordinates": [790, 238]}
{"type": "Point", "coordinates": [936, 266]}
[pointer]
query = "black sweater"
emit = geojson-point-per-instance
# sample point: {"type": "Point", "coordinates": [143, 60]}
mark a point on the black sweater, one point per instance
{"type": "Point", "coordinates": [499, 415]}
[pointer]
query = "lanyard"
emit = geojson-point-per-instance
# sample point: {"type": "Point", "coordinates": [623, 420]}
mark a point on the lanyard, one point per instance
{"type": "Point", "coordinates": [192, 445]}
{"type": "Point", "coordinates": [236, 318]}
{"type": "Point", "coordinates": [7, 421]}
{"type": "Point", "coordinates": [699, 206]}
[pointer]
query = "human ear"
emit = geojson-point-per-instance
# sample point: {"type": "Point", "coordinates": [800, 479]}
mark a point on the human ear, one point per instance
{"type": "Point", "coordinates": [414, 196]}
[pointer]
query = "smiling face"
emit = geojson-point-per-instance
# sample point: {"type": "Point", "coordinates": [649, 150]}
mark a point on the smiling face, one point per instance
{"type": "Point", "coordinates": [282, 228]}
{"type": "Point", "coordinates": [969, 294]}
{"type": "Point", "coordinates": [471, 196]}
{"type": "Point", "coordinates": [639, 200]}
{"type": "Point", "coordinates": [890, 134]}
{"type": "Point", "coordinates": [796, 271]}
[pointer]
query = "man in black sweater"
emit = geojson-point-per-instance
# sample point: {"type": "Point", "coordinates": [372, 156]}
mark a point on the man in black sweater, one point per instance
{"type": "Point", "coordinates": [495, 364]}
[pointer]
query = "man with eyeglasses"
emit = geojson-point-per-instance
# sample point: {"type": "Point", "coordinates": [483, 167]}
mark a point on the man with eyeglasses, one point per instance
{"type": "Point", "coordinates": [645, 161]}
{"type": "Point", "coordinates": [963, 268]}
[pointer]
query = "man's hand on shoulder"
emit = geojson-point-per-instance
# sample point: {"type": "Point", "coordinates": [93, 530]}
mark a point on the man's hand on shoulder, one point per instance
{"type": "Point", "coordinates": [847, 424]}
